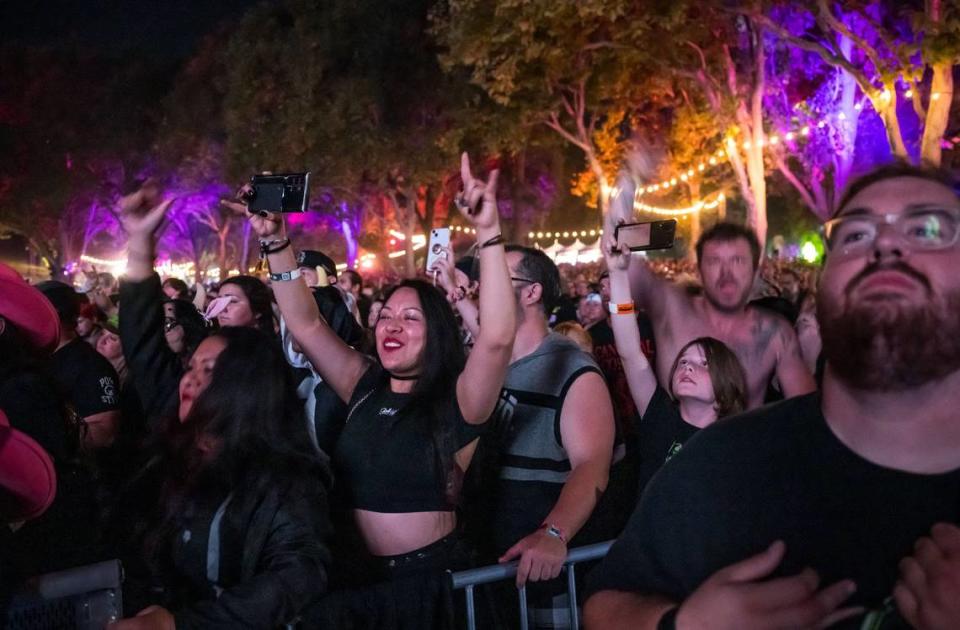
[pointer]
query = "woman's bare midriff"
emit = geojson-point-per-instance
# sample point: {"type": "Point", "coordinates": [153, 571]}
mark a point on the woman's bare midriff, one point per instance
{"type": "Point", "coordinates": [392, 534]}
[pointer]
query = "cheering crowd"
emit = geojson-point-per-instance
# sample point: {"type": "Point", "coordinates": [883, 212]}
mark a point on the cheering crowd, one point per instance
{"type": "Point", "coordinates": [771, 447]}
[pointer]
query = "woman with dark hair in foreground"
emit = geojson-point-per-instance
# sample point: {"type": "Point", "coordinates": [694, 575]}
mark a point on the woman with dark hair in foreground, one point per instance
{"type": "Point", "coordinates": [229, 513]}
{"type": "Point", "coordinates": [414, 419]}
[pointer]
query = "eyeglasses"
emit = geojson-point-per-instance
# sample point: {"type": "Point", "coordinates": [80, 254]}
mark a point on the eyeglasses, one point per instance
{"type": "Point", "coordinates": [169, 324]}
{"type": "Point", "coordinates": [926, 230]}
{"type": "Point", "coordinates": [527, 280]}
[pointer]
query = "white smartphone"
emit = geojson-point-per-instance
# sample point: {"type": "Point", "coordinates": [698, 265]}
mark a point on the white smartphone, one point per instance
{"type": "Point", "coordinates": [439, 243]}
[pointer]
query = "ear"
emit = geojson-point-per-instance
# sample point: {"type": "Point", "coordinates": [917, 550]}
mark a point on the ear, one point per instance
{"type": "Point", "coordinates": [3, 324]}
{"type": "Point", "coordinates": [533, 293]}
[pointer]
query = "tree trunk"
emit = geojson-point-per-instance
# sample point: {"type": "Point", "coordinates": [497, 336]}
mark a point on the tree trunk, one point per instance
{"type": "Point", "coordinates": [695, 225]}
{"type": "Point", "coordinates": [602, 183]}
{"type": "Point", "coordinates": [941, 98]}
{"type": "Point", "coordinates": [886, 108]}
{"type": "Point", "coordinates": [843, 163]}
{"type": "Point", "coordinates": [351, 242]}
{"type": "Point", "coordinates": [245, 252]}
{"type": "Point", "coordinates": [938, 112]}
{"type": "Point", "coordinates": [755, 167]}
{"type": "Point", "coordinates": [409, 228]}
{"type": "Point", "coordinates": [222, 253]}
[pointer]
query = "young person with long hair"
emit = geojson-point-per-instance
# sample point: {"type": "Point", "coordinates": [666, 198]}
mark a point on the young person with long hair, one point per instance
{"type": "Point", "coordinates": [250, 304]}
{"type": "Point", "coordinates": [230, 515]}
{"type": "Point", "coordinates": [415, 415]}
{"type": "Point", "coordinates": [706, 382]}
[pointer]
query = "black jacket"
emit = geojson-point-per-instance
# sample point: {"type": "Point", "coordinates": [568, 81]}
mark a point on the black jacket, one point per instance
{"type": "Point", "coordinates": [282, 559]}
{"type": "Point", "coordinates": [155, 368]}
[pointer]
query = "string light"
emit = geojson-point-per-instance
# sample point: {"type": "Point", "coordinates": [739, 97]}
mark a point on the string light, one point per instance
{"type": "Point", "coordinates": [679, 212]}
{"type": "Point", "coordinates": [564, 234]}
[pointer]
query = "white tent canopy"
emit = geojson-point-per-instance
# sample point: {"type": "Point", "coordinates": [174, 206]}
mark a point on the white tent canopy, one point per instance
{"type": "Point", "coordinates": [576, 252]}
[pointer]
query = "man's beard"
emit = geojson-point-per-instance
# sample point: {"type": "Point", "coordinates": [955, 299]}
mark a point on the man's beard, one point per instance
{"type": "Point", "coordinates": [891, 345]}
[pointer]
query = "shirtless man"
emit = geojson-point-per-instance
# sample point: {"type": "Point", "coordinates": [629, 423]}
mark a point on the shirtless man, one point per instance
{"type": "Point", "coordinates": [728, 256]}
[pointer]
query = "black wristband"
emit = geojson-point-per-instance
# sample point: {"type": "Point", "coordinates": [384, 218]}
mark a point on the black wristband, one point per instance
{"type": "Point", "coordinates": [496, 240]}
{"type": "Point", "coordinates": [280, 246]}
{"type": "Point", "coordinates": [669, 620]}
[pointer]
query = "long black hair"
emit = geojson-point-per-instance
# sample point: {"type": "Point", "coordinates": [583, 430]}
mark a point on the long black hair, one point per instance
{"type": "Point", "coordinates": [260, 298]}
{"type": "Point", "coordinates": [441, 362]}
{"type": "Point", "coordinates": [195, 328]}
{"type": "Point", "coordinates": [250, 408]}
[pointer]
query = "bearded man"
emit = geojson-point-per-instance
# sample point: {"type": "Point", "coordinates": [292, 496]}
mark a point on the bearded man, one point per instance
{"type": "Point", "coordinates": [838, 507]}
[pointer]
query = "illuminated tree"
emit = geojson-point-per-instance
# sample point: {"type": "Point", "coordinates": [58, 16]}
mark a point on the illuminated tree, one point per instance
{"type": "Point", "coordinates": [881, 45]}
{"type": "Point", "coordinates": [561, 65]}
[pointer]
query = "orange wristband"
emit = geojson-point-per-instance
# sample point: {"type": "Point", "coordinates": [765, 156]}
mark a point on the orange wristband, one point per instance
{"type": "Point", "coordinates": [621, 309]}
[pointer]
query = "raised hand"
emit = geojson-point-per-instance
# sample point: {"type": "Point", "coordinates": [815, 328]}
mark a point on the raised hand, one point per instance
{"type": "Point", "coordinates": [621, 199]}
{"type": "Point", "coordinates": [446, 277]}
{"type": "Point", "coordinates": [478, 192]}
{"type": "Point", "coordinates": [617, 257]}
{"type": "Point", "coordinates": [144, 224]}
{"type": "Point", "coordinates": [928, 592]}
{"type": "Point", "coordinates": [266, 224]}
{"type": "Point", "coordinates": [736, 597]}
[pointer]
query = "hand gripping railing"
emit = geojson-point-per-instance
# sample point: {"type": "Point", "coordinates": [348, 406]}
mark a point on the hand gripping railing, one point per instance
{"type": "Point", "coordinates": [467, 580]}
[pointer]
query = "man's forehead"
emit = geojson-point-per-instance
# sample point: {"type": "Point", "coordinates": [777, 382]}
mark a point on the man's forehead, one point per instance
{"type": "Point", "coordinates": [900, 194]}
{"type": "Point", "coordinates": [726, 245]}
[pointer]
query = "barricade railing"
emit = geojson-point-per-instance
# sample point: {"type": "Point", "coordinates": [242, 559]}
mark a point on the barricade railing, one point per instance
{"type": "Point", "coordinates": [467, 580]}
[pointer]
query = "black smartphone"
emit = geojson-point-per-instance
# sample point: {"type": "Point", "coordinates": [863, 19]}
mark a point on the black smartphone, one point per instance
{"type": "Point", "coordinates": [646, 236]}
{"type": "Point", "coordinates": [288, 192]}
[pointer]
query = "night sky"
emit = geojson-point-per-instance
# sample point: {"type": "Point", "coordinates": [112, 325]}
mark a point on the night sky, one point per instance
{"type": "Point", "coordinates": [165, 30]}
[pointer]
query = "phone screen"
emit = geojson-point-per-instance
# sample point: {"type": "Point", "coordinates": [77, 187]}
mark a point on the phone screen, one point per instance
{"type": "Point", "coordinates": [646, 236]}
{"type": "Point", "coordinates": [634, 236]}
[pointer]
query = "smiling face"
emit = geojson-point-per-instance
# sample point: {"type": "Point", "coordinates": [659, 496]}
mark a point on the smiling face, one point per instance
{"type": "Point", "coordinates": [199, 372]}
{"type": "Point", "coordinates": [726, 268]}
{"type": "Point", "coordinates": [887, 309]}
{"type": "Point", "coordinates": [691, 378]}
{"type": "Point", "coordinates": [238, 311]}
{"type": "Point", "coordinates": [401, 333]}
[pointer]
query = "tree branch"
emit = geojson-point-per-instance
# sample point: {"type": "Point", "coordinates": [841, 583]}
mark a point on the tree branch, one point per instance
{"type": "Point", "coordinates": [830, 22]}
{"type": "Point", "coordinates": [794, 180]}
{"type": "Point", "coordinates": [826, 54]}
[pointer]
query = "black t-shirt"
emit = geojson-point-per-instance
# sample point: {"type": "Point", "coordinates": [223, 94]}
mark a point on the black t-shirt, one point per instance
{"type": "Point", "coordinates": [86, 378]}
{"type": "Point", "coordinates": [777, 473]}
{"type": "Point", "coordinates": [387, 459]}
{"type": "Point", "coordinates": [662, 433]}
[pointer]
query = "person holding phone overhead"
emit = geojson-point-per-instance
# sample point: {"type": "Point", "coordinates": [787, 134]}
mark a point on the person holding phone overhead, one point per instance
{"type": "Point", "coordinates": [706, 382]}
{"type": "Point", "coordinates": [415, 414]}
{"type": "Point", "coordinates": [728, 259]}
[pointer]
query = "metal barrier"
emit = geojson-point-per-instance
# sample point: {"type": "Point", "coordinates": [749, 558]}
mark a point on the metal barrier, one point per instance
{"type": "Point", "coordinates": [83, 598]}
{"type": "Point", "coordinates": [467, 580]}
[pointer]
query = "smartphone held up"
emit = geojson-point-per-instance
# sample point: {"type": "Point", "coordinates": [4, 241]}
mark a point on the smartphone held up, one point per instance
{"type": "Point", "coordinates": [437, 247]}
{"type": "Point", "coordinates": [286, 192]}
{"type": "Point", "coordinates": [640, 237]}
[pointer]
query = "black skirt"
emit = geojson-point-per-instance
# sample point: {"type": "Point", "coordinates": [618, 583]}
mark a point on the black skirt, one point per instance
{"type": "Point", "coordinates": [410, 591]}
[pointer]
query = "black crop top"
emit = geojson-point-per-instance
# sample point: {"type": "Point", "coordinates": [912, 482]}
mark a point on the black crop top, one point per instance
{"type": "Point", "coordinates": [385, 458]}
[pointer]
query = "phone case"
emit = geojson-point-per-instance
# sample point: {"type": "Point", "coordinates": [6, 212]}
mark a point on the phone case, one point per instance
{"type": "Point", "coordinates": [439, 241]}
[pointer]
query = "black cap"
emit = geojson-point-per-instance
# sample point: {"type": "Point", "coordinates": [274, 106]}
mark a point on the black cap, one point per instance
{"type": "Point", "coordinates": [312, 258]}
{"type": "Point", "coordinates": [65, 300]}
{"type": "Point", "coordinates": [470, 266]}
